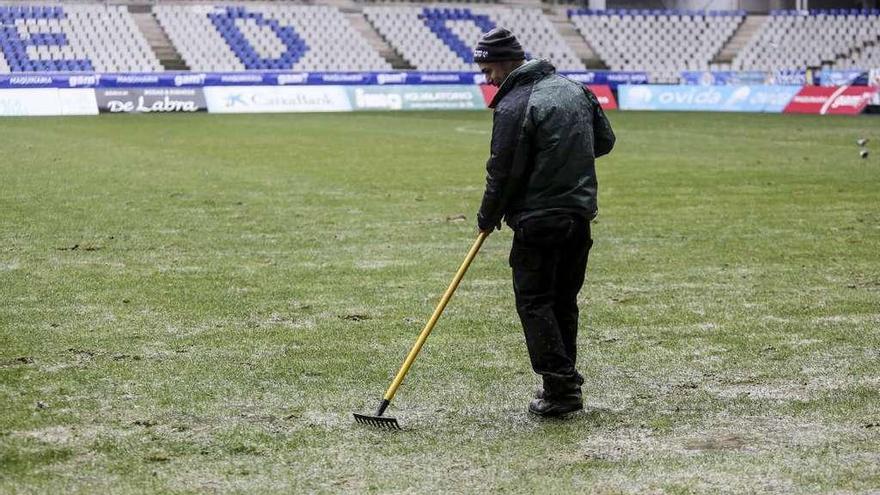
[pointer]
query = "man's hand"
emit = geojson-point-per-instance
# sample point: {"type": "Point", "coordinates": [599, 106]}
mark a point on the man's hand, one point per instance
{"type": "Point", "coordinates": [486, 226]}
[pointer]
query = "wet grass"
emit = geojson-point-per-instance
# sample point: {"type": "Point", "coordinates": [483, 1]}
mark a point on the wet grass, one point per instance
{"type": "Point", "coordinates": [197, 304]}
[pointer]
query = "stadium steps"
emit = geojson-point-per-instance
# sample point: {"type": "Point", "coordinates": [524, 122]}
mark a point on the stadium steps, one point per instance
{"type": "Point", "coordinates": [559, 18]}
{"type": "Point", "coordinates": [360, 24]}
{"type": "Point", "coordinates": [158, 39]}
{"type": "Point", "coordinates": [745, 32]}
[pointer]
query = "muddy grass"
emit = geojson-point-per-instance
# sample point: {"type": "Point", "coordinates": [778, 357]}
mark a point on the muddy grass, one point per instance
{"type": "Point", "coordinates": [235, 295]}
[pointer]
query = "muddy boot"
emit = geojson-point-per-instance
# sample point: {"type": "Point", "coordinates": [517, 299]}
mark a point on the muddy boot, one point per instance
{"type": "Point", "coordinates": [548, 408]}
{"type": "Point", "coordinates": [558, 396]}
{"type": "Point", "coordinates": [539, 392]}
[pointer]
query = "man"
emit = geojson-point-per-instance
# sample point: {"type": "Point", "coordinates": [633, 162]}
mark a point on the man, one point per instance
{"type": "Point", "coordinates": [547, 131]}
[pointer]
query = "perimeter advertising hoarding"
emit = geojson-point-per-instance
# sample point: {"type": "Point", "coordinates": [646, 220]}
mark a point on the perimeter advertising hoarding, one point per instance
{"type": "Point", "coordinates": [150, 100]}
{"type": "Point", "coordinates": [80, 101]}
{"type": "Point", "coordinates": [772, 99]}
{"type": "Point", "coordinates": [47, 101]}
{"type": "Point", "coordinates": [845, 100]}
{"type": "Point", "coordinates": [845, 77]}
{"type": "Point", "coordinates": [276, 99]}
{"type": "Point", "coordinates": [438, 97]}
{"type": "Point", "coordinates": [874, 80]}
{"type": "Point", "coordinates": [724, 77]}
{"type": "Point", "coordinates": [280, 78]}
{"type": "Point", "coordinates": [603, 94]}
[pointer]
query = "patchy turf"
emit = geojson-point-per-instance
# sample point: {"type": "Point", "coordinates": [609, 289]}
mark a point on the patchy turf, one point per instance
{"type": "Point", "coordinates": [198, 304]}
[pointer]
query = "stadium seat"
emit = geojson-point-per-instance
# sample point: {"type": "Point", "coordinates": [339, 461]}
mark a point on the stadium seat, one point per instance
{"type": "Point", "coordinates": [72, 38]}
{"type": "Point", "coordinates": [267, 37]}
{"type": "Point", "coordinates": [662, 43]}
{"type": "Point", "coordinates": [442, 38]}
{"type": "Point", "coordinates": [839, 38]}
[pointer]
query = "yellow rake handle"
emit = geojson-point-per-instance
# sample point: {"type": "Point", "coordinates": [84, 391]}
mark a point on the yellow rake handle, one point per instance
{"type": "Point", "coordinates": [392, 389]}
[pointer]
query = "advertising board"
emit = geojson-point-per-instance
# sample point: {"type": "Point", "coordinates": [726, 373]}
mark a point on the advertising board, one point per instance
{"type": "Point", "coordinates": [439, 97]}
{"type": "Point", "coordinates": [276, 99]}
{"type": "Point", "coordinates": [821, 100]}
{"type": "Point", "coordinates": [77, 101]}
{"type": "Point", "coordinates": [29, 102]}
{"type": "Point", "coordinates": [150, 100]}
{"type": "Point", "coordinates": [846, 77]}
{"type": "Point", "coordinates": [603, 94]}
{"type": "Point", "coordinates": [181, 79]}
{"type": "Point", "coordinates": [47, 101]}
{"type": "Point", "coordinates": [772, 99]}
{"type": "Point", "coordinates": [874, 81]}
{"type": "Point", "coordinates": [723, 78]}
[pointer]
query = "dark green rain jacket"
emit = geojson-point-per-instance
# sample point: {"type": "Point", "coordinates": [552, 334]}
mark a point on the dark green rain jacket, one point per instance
{"type": "Point", "coordinates": [547, 132]}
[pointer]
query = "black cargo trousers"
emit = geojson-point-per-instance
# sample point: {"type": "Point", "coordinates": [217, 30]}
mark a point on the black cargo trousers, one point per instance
{"type": "Point", "coordinates": [549, 260]}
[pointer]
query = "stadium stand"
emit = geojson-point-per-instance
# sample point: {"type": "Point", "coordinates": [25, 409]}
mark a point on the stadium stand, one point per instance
{"type": "Point", "coordinates": [267, 37]}
{"type": "Point", "coordinates": [70, 38]}
{"type": "Point", "coordinates": [442, 37]}
{"type": "Point", "coordinates": [793, 39]}
{"type": "Point", "coordinates": [866, 58]}
{"type": "Point", "coordinates": [432, 36]}
{"type": "Point", "coordinates": [661, 42]}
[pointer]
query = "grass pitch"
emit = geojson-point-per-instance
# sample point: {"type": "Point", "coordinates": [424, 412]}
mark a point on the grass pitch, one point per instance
{"type": "Point", "coordinates": [197, 304]}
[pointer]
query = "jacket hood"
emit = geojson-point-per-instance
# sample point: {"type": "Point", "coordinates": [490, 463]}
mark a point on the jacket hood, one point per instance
{"type": "Point", "coordinates": [526, 73]}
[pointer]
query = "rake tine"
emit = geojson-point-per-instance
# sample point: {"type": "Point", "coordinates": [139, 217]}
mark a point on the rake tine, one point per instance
{"type": "Point", "coordinates": [391, 423]}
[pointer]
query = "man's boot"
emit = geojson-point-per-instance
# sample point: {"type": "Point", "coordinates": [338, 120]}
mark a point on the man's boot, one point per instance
{"type": "Point", "coordinates": [539, 392]}
{"type": "Point", "coordinates": [565, 397]}
{"type": "Point", "coordinates": [546, 408]}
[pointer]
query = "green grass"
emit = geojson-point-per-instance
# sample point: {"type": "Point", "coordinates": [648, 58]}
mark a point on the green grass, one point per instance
{"type": "Point", "coordinates": [198, 303]}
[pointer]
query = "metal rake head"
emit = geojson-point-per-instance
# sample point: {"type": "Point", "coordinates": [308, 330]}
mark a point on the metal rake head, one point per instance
{"type": "Point", "coordinates": [377, 421]}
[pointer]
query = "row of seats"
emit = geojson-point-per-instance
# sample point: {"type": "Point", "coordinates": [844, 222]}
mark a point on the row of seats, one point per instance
{"type": "Point", "coordinates": [657, 12]}
{"type": "Point", "coordinates": [443, 38]}
{"type": "Point", "coordinates": [267, 37]}
{"type": "Point", "coordinates": [40, 38]}
{"type": "Point", "coordinates": [867, 57]}
{"type": "Point", "coordinates": [795, 41]}
{"type": "Point", "coordinates": [661, 44]}
{"type": "Point", "coordinates": [799, 13]}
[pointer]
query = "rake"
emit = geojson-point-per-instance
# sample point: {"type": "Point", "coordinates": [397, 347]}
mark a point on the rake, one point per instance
{"type": "Point", "coordinates": [378, 419]}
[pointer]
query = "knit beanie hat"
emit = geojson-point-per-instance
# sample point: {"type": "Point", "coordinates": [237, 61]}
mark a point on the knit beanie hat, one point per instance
{"type": "Point", "coordinates": [498, 45]}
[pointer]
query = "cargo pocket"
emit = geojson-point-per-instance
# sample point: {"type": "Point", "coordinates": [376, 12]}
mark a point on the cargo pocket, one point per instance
{"type": "Point", "coordinates": [546, 231]}
{"type": "Point", "coordinates": [523, 258]}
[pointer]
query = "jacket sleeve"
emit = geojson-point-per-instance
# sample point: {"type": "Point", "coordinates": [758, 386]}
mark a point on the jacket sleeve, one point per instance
{"type": "Point", "coordinates": [503, 177]}
{"type": "Point", "coordinates": [603, 136]}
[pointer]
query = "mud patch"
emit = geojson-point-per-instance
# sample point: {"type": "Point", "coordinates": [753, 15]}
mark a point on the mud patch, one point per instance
{"type": "Point", "coordinates": [729, 442]}
{"type": "Point", "coordinates": [746, 434]}
{"type": "Point", "coordinates": [456, 218]}
{"type": "Point", "coordinates": [61, 435]}
{"type": "Point", "coordinates": [17, 362]}
{"type": "Point", "coordinates": [355, 317]}
{"type": "Point", "coordinates": [9, 266]}
{"type": "Point", "coordinates": [776, 392]}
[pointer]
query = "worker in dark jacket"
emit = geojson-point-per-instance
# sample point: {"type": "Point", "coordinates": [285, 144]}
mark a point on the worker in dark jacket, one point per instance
{"type": "Point", "coordinates": [541, 179]}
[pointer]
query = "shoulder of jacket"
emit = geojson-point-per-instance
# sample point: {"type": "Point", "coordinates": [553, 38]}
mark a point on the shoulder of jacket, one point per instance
{"type": "Point", "coordinates": [514, 101]}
